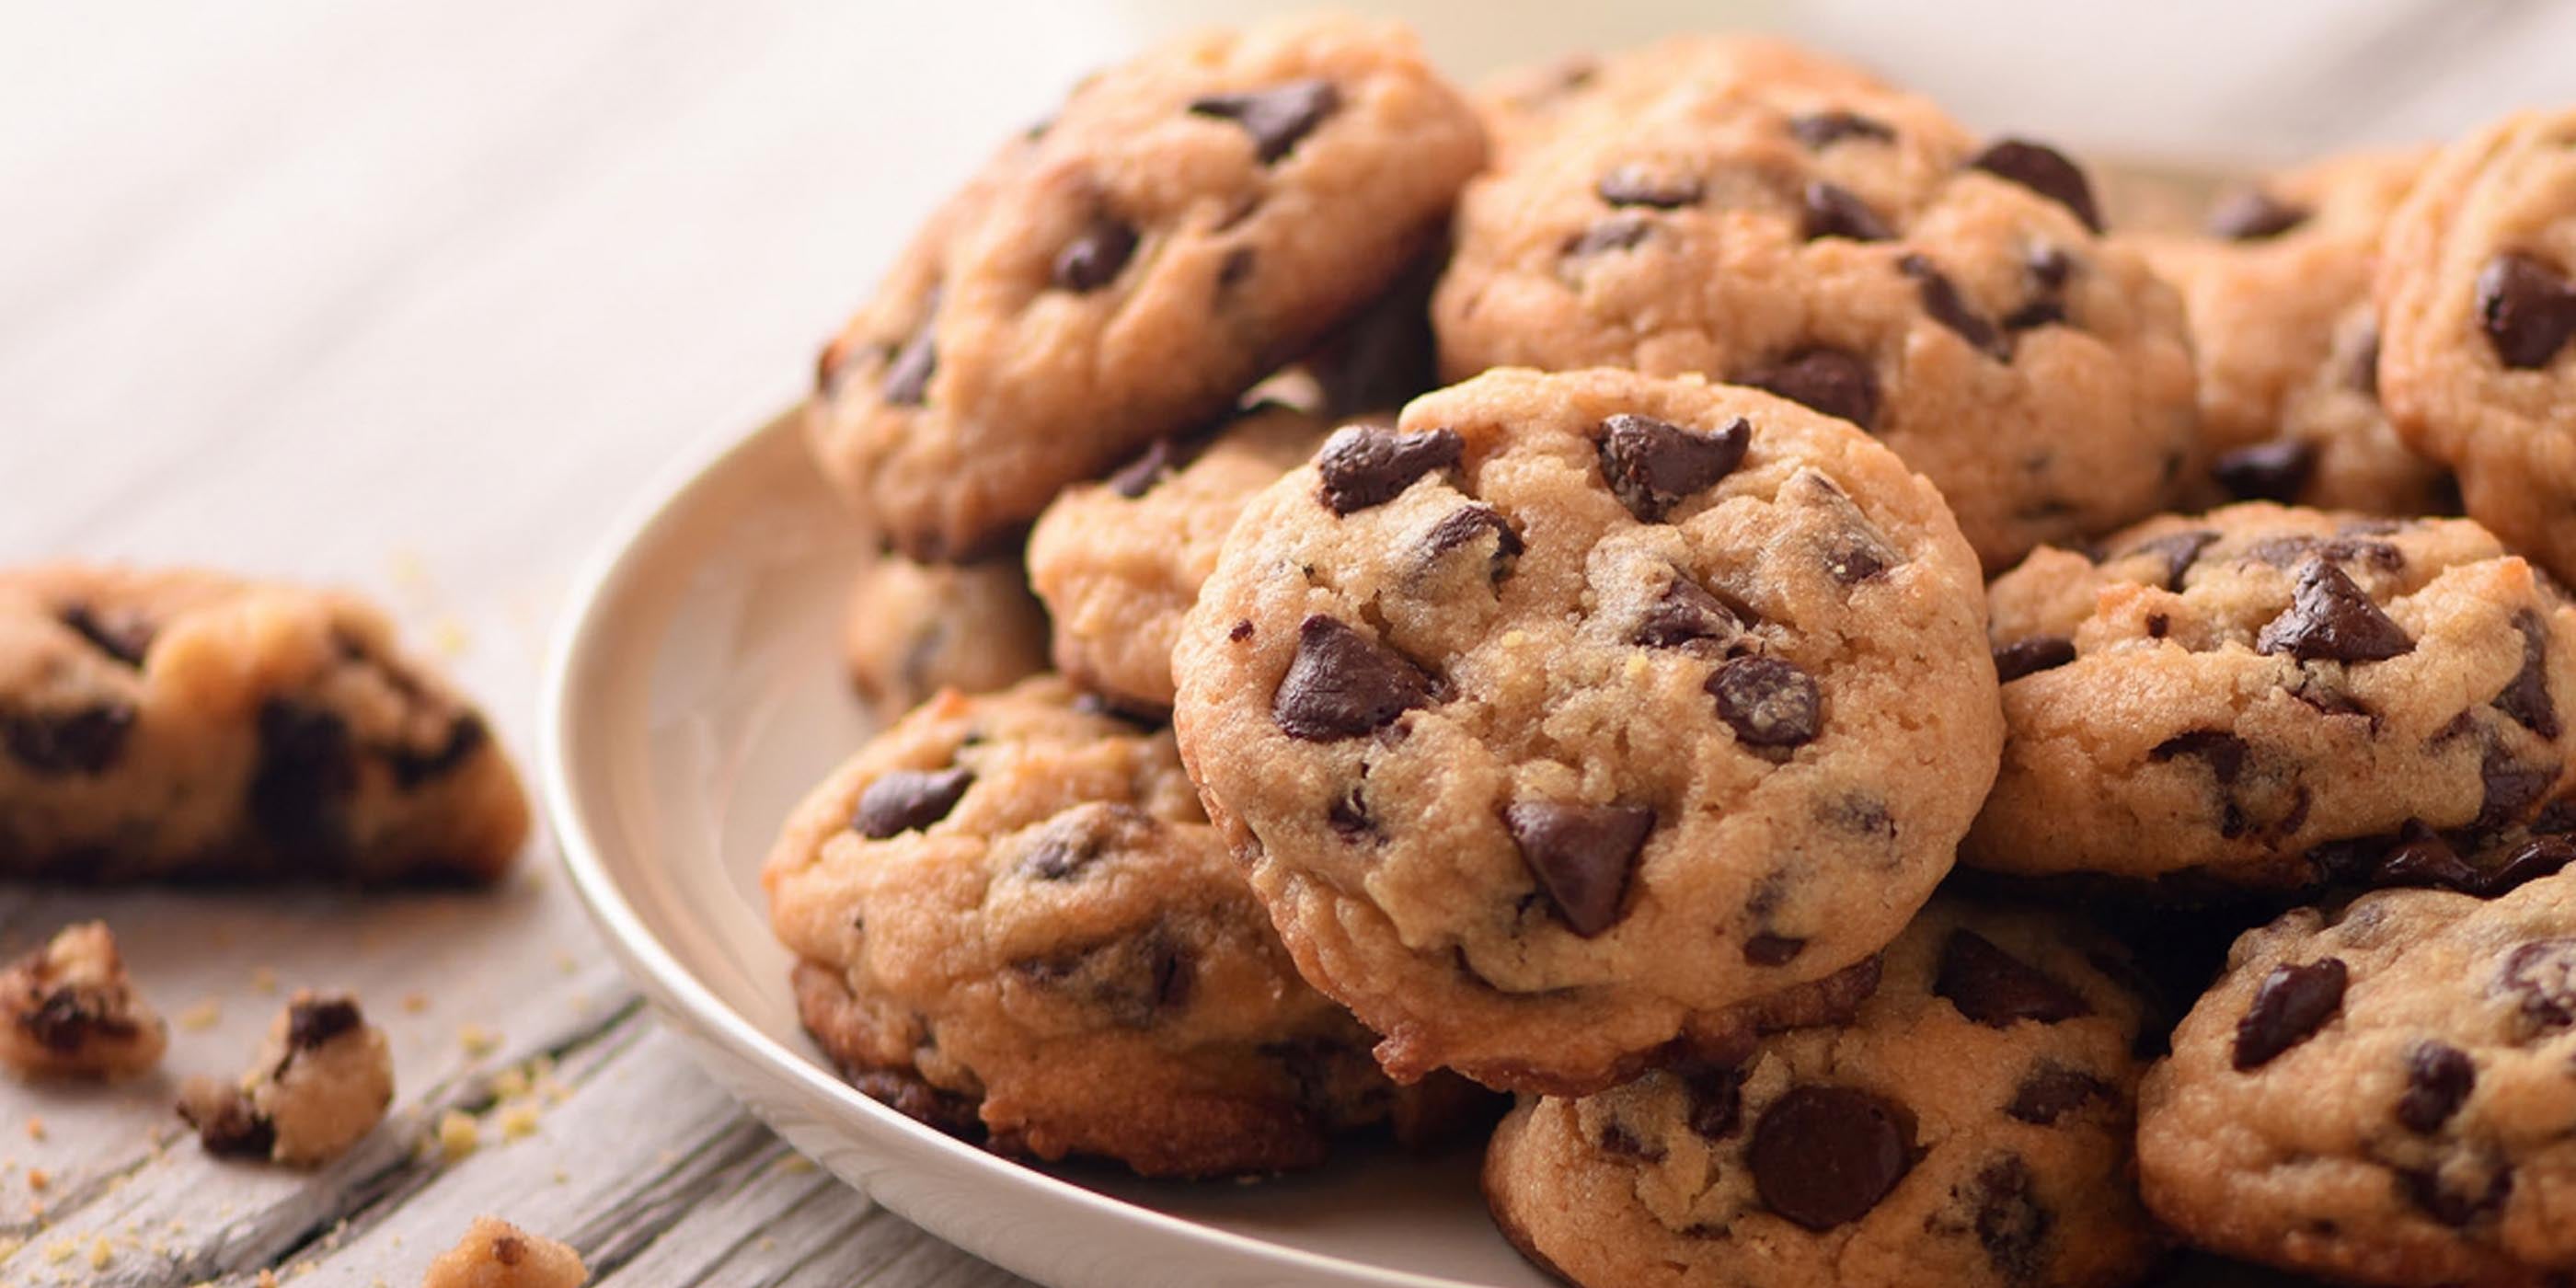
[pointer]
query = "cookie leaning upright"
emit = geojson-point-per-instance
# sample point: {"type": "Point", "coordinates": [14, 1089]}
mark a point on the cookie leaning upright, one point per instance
{"type": "Point", "coordinates": [1587, 711]}
{"type": "Point", "coordinates": [1747, 211]}
{"type": "Point", "coordinates": [1187, 223]}
{"type": "Point", "coordinates": [2477, 299]}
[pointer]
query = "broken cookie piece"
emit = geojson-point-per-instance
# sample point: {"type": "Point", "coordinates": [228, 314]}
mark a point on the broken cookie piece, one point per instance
{"type": "Point", "coordinates": [323, 1080]}
{"type": "Point", "coordinates": [72, 1013]}
{"type": "Point", "coordinates": [497, 1254]}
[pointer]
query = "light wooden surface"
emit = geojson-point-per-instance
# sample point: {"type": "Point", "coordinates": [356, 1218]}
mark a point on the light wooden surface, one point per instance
{"type": "Point", "coordinates": [415, 297]}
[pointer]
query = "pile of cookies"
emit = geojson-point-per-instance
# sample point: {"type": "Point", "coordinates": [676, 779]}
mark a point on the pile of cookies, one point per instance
{"type": "Point", "coordinates": [1805, 708]}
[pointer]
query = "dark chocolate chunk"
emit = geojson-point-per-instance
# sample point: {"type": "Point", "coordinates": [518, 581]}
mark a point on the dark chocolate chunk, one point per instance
{"type": "Point", "coordinates": [2527, 308]}
{"type": "Point", "coordinates": [85, 742]}
{"type": "Point", "coordinates": [1821, 130]}
{"type": "Point", "coordinates": [2331, 619]}
{"type": "Point", "coordinates": [2032, 656]}
{"type": "Point", "coordinates": [1469, 523]}
{"type": "Point", "coordinates": [1995, 988]}
{"type": "Point", "coordinates": [127, 637]}
{"type": "Point", "coordinates": [1716, 1100]}
{"type": "Point", "coordinates": [2510, 789]}
{"type": "Point", "coordinates": [1277, 118]}
{"type": "Point", "coordinates": [1832, 211]}
{"type": "Point", "coordinates": [1344, 684]}
{"type": "Point", "coordinates": [2291, 1004]}
{"type": "Point", "coordinates": [2178, 550]}
{"type": "Point", "coordinates": [2450, 1207]}
{"type": "Point", "coordinates": [310, 1022]}
{"type": "Point", "coordinates": [307, 771]}
{"type": "Point", "coordinates": [2251, 214]}
{"type": "Point", "coordinates": [2533, 859]}
{"type": "Point", "coordinates": [229, 1127]}
{"type": "Point", "coordinates": [906, 800]}
{"type": "Point", "coordinates": [1823, 1156]}
{"type": "Point", "coordinates": [1686, 615]}
{"type": "Point", "coordinates": [1616, 1142]}
{"type": "Point", "coordinates": [2542, 974]}
{"type": "Point", "coordinates": [2275, 471]}
{"type": "Point", "coordinates": [1828, 380]}
{"type": "Point", "coordinates": [2526, 697]}
{"type": "Point", "coordinates": [1943, 304]}
{"type": "Point", "coordinates": [1636, 185]}
{"type": "Point", "coordinates": [1349, 816]}
{"type": "Point", "coordinates": [2043, 170]}
{"type": "Point", "coordinates": [466, 735]}
{"type": "Point", "coordinates": [1618, 232]}
{"type": "Point", "coordinates": [907, 376]}
{"type": "Point", "coordinates": [1370, 465]}
{"type": "Point", "coordinates": [2050, 1091]}
{"type": "Point", "coordinates": [2012, 1224]}
{"type": "Point", "coordinates": [1767, 949]}
{"type": "Point", "coordinates": [1582, 856]}
{"type": "Point", "coordinates": [1653, 465]}
{"type": "Point", "coordinates": [2421, 857]}
{"type": "Point", "coordinates": [1768, 701]}
{"type": "Point", "coordinates": [2222, 751]}
{"type": "Point", "coordinates": [1160, 460]}
{"type": "Point", "coordinates": [2439, 1079]}
{"type": "Point", "coordinates": [1094, 257]}
{"type": "Point", "coordinates": [70, 1015]}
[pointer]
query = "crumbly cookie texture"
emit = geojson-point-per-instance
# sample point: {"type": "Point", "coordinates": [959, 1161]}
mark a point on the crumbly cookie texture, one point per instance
{"type": "Point", "coordinates": [1584, 712]}
{"type": "Point", "coordinates": [2278, 292]}
{"type": "Point", "coordinates": [1119, 563]}
{"type": "Point", "coordinates": [1187, 223]}
{"type": "Point", "coordinates": [67, 1010]}
{"type": "Point", "coordinates": [1756, 214]}
{"type": "Point", "coordinates": [179, 725]}
{"type": "Point", "coordinates": [1969, 1126]}
{"type": "Point", "coordinates": [2380, 1093]}
{"type": "Point", "coordinates": [2266, 697]}
{"type": "Point", "coordinates": [497, 1254]}
{"type": "Point", "coordinates": [323, 1080]}
{"type": "Point", "coordinates": [911, 629]}
{"type": "Point", "coordinates": [1015, 923]}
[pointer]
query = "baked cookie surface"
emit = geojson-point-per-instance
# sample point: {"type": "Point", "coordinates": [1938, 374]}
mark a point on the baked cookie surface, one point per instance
{"type": "Point", "coordinates": [911, 629]}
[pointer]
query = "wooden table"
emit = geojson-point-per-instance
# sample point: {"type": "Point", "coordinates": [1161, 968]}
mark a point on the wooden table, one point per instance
{"type": "Point", "coordinates": [415, 297]}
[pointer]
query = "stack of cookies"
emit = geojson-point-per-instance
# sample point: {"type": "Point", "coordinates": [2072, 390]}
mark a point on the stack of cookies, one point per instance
{"type": "Point", "coordinates": [1805, 708]}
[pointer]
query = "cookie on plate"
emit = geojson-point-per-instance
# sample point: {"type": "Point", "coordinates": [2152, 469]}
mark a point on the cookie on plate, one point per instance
{"type": "Point", "coordinates": [2476, 286]}
{"type": "Point", "coordinates": [192, 725]}
{"type": "Point", "coordinates": [2262, 697]}
{"type": "Point", "coordinates": [2381, 1093]}
{"type": "Point", "coordinates": [1579, 713]}
{"type": "Point", "coordinates": [1766, 217]}
{"type": "Point", "coordinates": [1188, 222]}
{"type": "Point", "coordinates": [1969, 1126]}
{"type": "Point", "coordinates": [912, 629]}
{"type": "Point", "coordinates": [2278, 292]}
{"type": "Point", "coordinates": [1013, 922]}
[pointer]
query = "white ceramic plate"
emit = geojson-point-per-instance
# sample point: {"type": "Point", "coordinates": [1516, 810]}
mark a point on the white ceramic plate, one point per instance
{"type": "Point", "coordinates": [694, 694]}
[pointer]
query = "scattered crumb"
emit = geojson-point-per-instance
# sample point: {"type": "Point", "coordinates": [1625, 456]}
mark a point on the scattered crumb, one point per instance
{"type": "Point", "coordinates": [497, 1254]}
{"type": "Point", "coordinates": [457, 1135]}
{"type": "Point", "coordinates": [205, 1015]}
{"type": "Point", "coordinates": [510, 1083]}
{"type": "Point", "coordinates": [35, 1127]}
{"type": "Point", "coordinates": [796, 1165]}
{"type": "Point", "coordinates": [10, 1247]}
{"type": "Point", "coordinates": [100, 1253]}
{"type": "Point", "coordinates": [268, 1279]}
{"type": "Point", "coordinates": [450, 638]}
{"type": "Point", "coordinates": [1514, 639]}
{"type": "Point", "coordinates": [415, 1003]}
{"type": "Point", "coordinates": [768, 1244]}
{"type": "Point", "coordinates": [566, 963]}
{"type": "Point", "coordinates": [264, 979]}
{"type": "Point", "coordinates": [477, 1040]}
{"type": "Point", "coordinates": [38, 1178]}
{"type": "Point", "coordinates": [562, 1177]}
{"type": "Point", "coordinates": [518, 1122]}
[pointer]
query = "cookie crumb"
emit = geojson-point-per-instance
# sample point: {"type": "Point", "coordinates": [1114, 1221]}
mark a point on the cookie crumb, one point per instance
{"type": "Point", "coordinates": [457, 1136]}
{"type": "Point", "coordinates": [497, 1254]}
{"type": "Point", "coordinates": [67, 1010]}
{"type": "Point", "coordinates": [263, 979]}
{"type": "Point", "coordinates": [323, 1080]}
{"type": "Point", "coordinates": [206, 1014]}
{"type": "Point", "coordinates": [477, 1040]}
{"type": "Point", "coordinates": [35, 1128]}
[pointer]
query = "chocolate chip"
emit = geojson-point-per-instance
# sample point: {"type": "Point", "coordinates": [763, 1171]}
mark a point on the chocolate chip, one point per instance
{"type": "Point", "coordinates": [1943, 304]}
{"type": "Point", "coordinates": [1079, 839]}
{"type": "Point", "coordinates": [2543, 974]}
{"type": "Point", "coordinates": [1349, 816]}
{"type": "Point", "coordinates": [2527, 308]}
{"type": "Point", "coordinates": [308, 769]}
{"type": "Point", "coordinates": [465, 736]}
{"type": "Point", "coordinates": [1370, 465]}
{"type": "Point", "coordinates": [2251, 214]}
{"type": "Point", "coordinates": [1832, 211]}
{"type": "Point", "coordinates": [2043, 170]}
{"type": "Point", "coordinates": [2012, 1225]}
{"type": "Point", "coordinates": [2438, 1081]}
{"type": "Point", "coordinates": [2526, 697]}
{"type": "Point", "coordinates": [907, 800]}
{"type": "Point", "coordinates": [1471, 523]}
{"type": "Point", "coordinates": [2427, 1190]}
{"type": "Point", "coordinates": [509, 1250]}
{"type": "Point", "coordinates": [1240, 631]}
{"type": "Point", "coordinates": [2032, 656]}
{"type": "Point", "coordinates": [1618, 232]}
{"type": "Point", "coordinates": [1769, 702]}
{"type": "Point", "coordinates": [1160, 460]}
{"type": "Point", "coordinates": [1094, 257]}
{"type": "Point", "coordinates": [1995, 988]}
{"type": "Point", "coordinates": [1823, 1156]}
{"type": "Point", "coordinates": [127, 637]}
{"type": "Point", "coordinates": [1277, 117]}
{"type": "Point", "coordinates": [2510, 789]}
{"type": "Point", "coordinates": [2533, 859]}
{"type": "Point", "coordinates": [2050, 1091]}
{"type": "Point", "coordinates": [2179, 550]}
{"type": "Point", "coordinates": [1653, 465]}
{"type": "Point", "coordinates": [1636, 185]}
{"type": "Point", "coordinates": [2222, 751]}
{"type": "Point", "coordinates": [1616, 1142]}
{"type": "Point", "coordinates": [1686, 615]}
{"type": "Point", "coordinates": [1344, 684]}
{"type": "Point", "coordinates": [2275, 471]}
{"type": "Point", "coordinates": [228, 1127]}
{"type": "Point", "coordinates": [2291, 1004]}
{"type": "Point", "coordinates": [1767, 949]}
{"type": "Point", "coordinates": [71, 1015]}
{"type": "Point", "coordinates": [1820, 130]}
{"type": "Point", "coordinates": [1582, 856]}
{"type": "Point", "coordinates": [2421, 857]}
{"type": "Point", "coordinates": [85, 742]}
{"type": "Point", "coordinates": [907, 377]}
{"type": "Point", "coordinates": [1853, 564]}
{"type": "Point", "coordinates": [1716, 1101]}
{"type": "Point", "coordinates": [310, 1022]}
{"type": "Point", "coordinates": [1827, 380]}
{"type": "Point", "coordinates": [2330, 619]}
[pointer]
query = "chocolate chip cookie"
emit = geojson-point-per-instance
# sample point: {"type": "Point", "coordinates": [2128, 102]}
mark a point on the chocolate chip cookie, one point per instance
{"type": "Point", "coordinates": [1014, 923]}
{"type": "Point", "coordinates": [1187, 223]}
{"type": "Point", "coordinates": [68, 1010]}
{"type": "Point", "coordinates": [1970, 1126]}
{"type": "Point", "coordinates": [2278, 292]}
{"type": "Point", "coordinates": [2381, 1093]}
{"type": "Point", "coordinates": [2264, 697]}
{"type": "Point", "coordinates": [1780, 222]}
{"type": "Point", "coordinates": [497, 1254]}
{"type": "Point", "coordinates": [2476, 286]}
{"type": "Point", "coordinates": [322, 1081]}
{"type": "Point", "coordinates": [1580, 713]}
{"type": "Point", "coordinates": [190, 725]}
{"type": "Point", "coordinates": [912, 629]}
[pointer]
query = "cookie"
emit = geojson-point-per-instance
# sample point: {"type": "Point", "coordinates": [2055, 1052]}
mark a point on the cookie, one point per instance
{"type": "Point", "coordinates": [67, 1010]}
{"type": "Point", "coordinates": [1119, 563]}
{"type": "Point", "coordinates": [1765, 217]}
{"type": "Point", "coordinates": [1190, 221]}
{"type": "Point", "coordinates": [2476, 287]}
{"type": "Point", "coordinates": [2265, 697]}
{"type": "Point", "coordinates": [2380, 1093]}
{"type": "Point", "coordinates": [912, 629]}
{"type": "Point", "coordinates": [323, 1080]}
{"type": "Point", "coordinates": [497, 1254]}
{"type": "Point", "coordinates": [1580, 713]}
{"type": "Point", "coordinates": [190, 725]}
{"type": "Point", "coordinates": [1969, 1126]}
{"type": "Point", "coordinates": [2278, 292]}
{"type": "Point", "coordinates": [1014, 922]}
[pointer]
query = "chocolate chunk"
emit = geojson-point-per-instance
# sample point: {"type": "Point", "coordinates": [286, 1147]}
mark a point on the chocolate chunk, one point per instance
{"type": "Point", "coordinates": [2439, 1079]}
{"type": "Point", "coordinates": [2533, 859]}
{"type": "Point", "coordinates": [466, 735]}
{"type": "Point", "coordinates": [2543, 974]}
{"type": "Point", "coordinates": [1943, 304]}
{"type": "Point", "coordinates": [1240, 631]}
{"type": "Point", "coordinates": [907, 800]}
{"type": "Point", "coordinates": [2330, 619]}
{"type": "Point", "coordinates": [1470, 523]}
{"type": "Point", "coordinates": [2421, 857]}
{"type": "Point", "coordinates": [228, 1127]}
{"type": "Point", "coordinates": [2275, 471]}
{"type": "Point", "coordinates": [71, 1015]}
{"type": "Point", "coordinates": [2043, 170]}
{"type": "Point", "coordinates": [86, 742]}
{"type": "Point", "coordinates": [1349, 816]}
{"type": "Point", "coordinates": [2012, 1225]}
{"type": "Point", "coordinates": [2292, 1003]}
{"type": "Point", "coordinates": [1653, 465]}
{"type": "Point", "coordinates": [1767, 949]}
{"type": "Point", "coordinates": [2032, 656]}
{"type": "Point", "coordinates": [907, 376]}
{"type": "Point", "coordinates": [1716, 1100]}
{"type": "Point", "coordinates": [1370, 465]}
{"type": "Point", "coordinates": [308, 769]}
{"type": "Point", "coordinates": [1828, 380]}
{"type": "Point", "coordinates": [127, 637]}
{"type": "Point", "coordinates": [1160, 460]}
{"type": "Point", "coordinates": [1769, 702]}
{"type": "Point", "coordinates": [1618, 1143]}
{"type": "Point", "coordinates": [1821, 130]}
{"type": "Point", "coordinates": [1686, 615]}
{"type": "Point", "coordinates": [1094, 257]}
{"type": "Point", "coordinates": [1079, 839]}
{"type": "Point", "coordinates": [1636, 185]}
{"type": "Point", "coordinates": [2222, 751]}
{"type": "Point", "coordinates": [310, 1022]}
{"type": "Point", "coordinates": [1344, 684]}
{"type": "Point", "coordinates": [2050, 1091]}
{"type": "Point", "coordinates": [2179, 550]}
{"type": "Point", "coordinates": [1854, 563]}
{"type": "Point", "coordinates": [1995, 988]}
{"type": "Point", "coordinates": [2428, 1191]}
{"type": "Point", "coordinates": [2527, 308]}
{"type": "Point", "coordinates": [1832, 211]}
{"type": "Point", "coordinates": [1582, 856]}
{"type": "Point", "coordinates": [2526, 697]}
{"type": "Point", "coordinates": [2510, 789]}
{"type": "Point", "coordinates": [1236, 270]}
{"type": "Point", "coordinates": [2251, 214]}
{"type": "Point", "coordinates": [1618, 232]}
{"type": "Point", "coordinates": [2365, 362]}
{"type": "Point", "coordinates": [1277, 117]}
{"type": "Point", "coordinates": [1823, 1156]}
